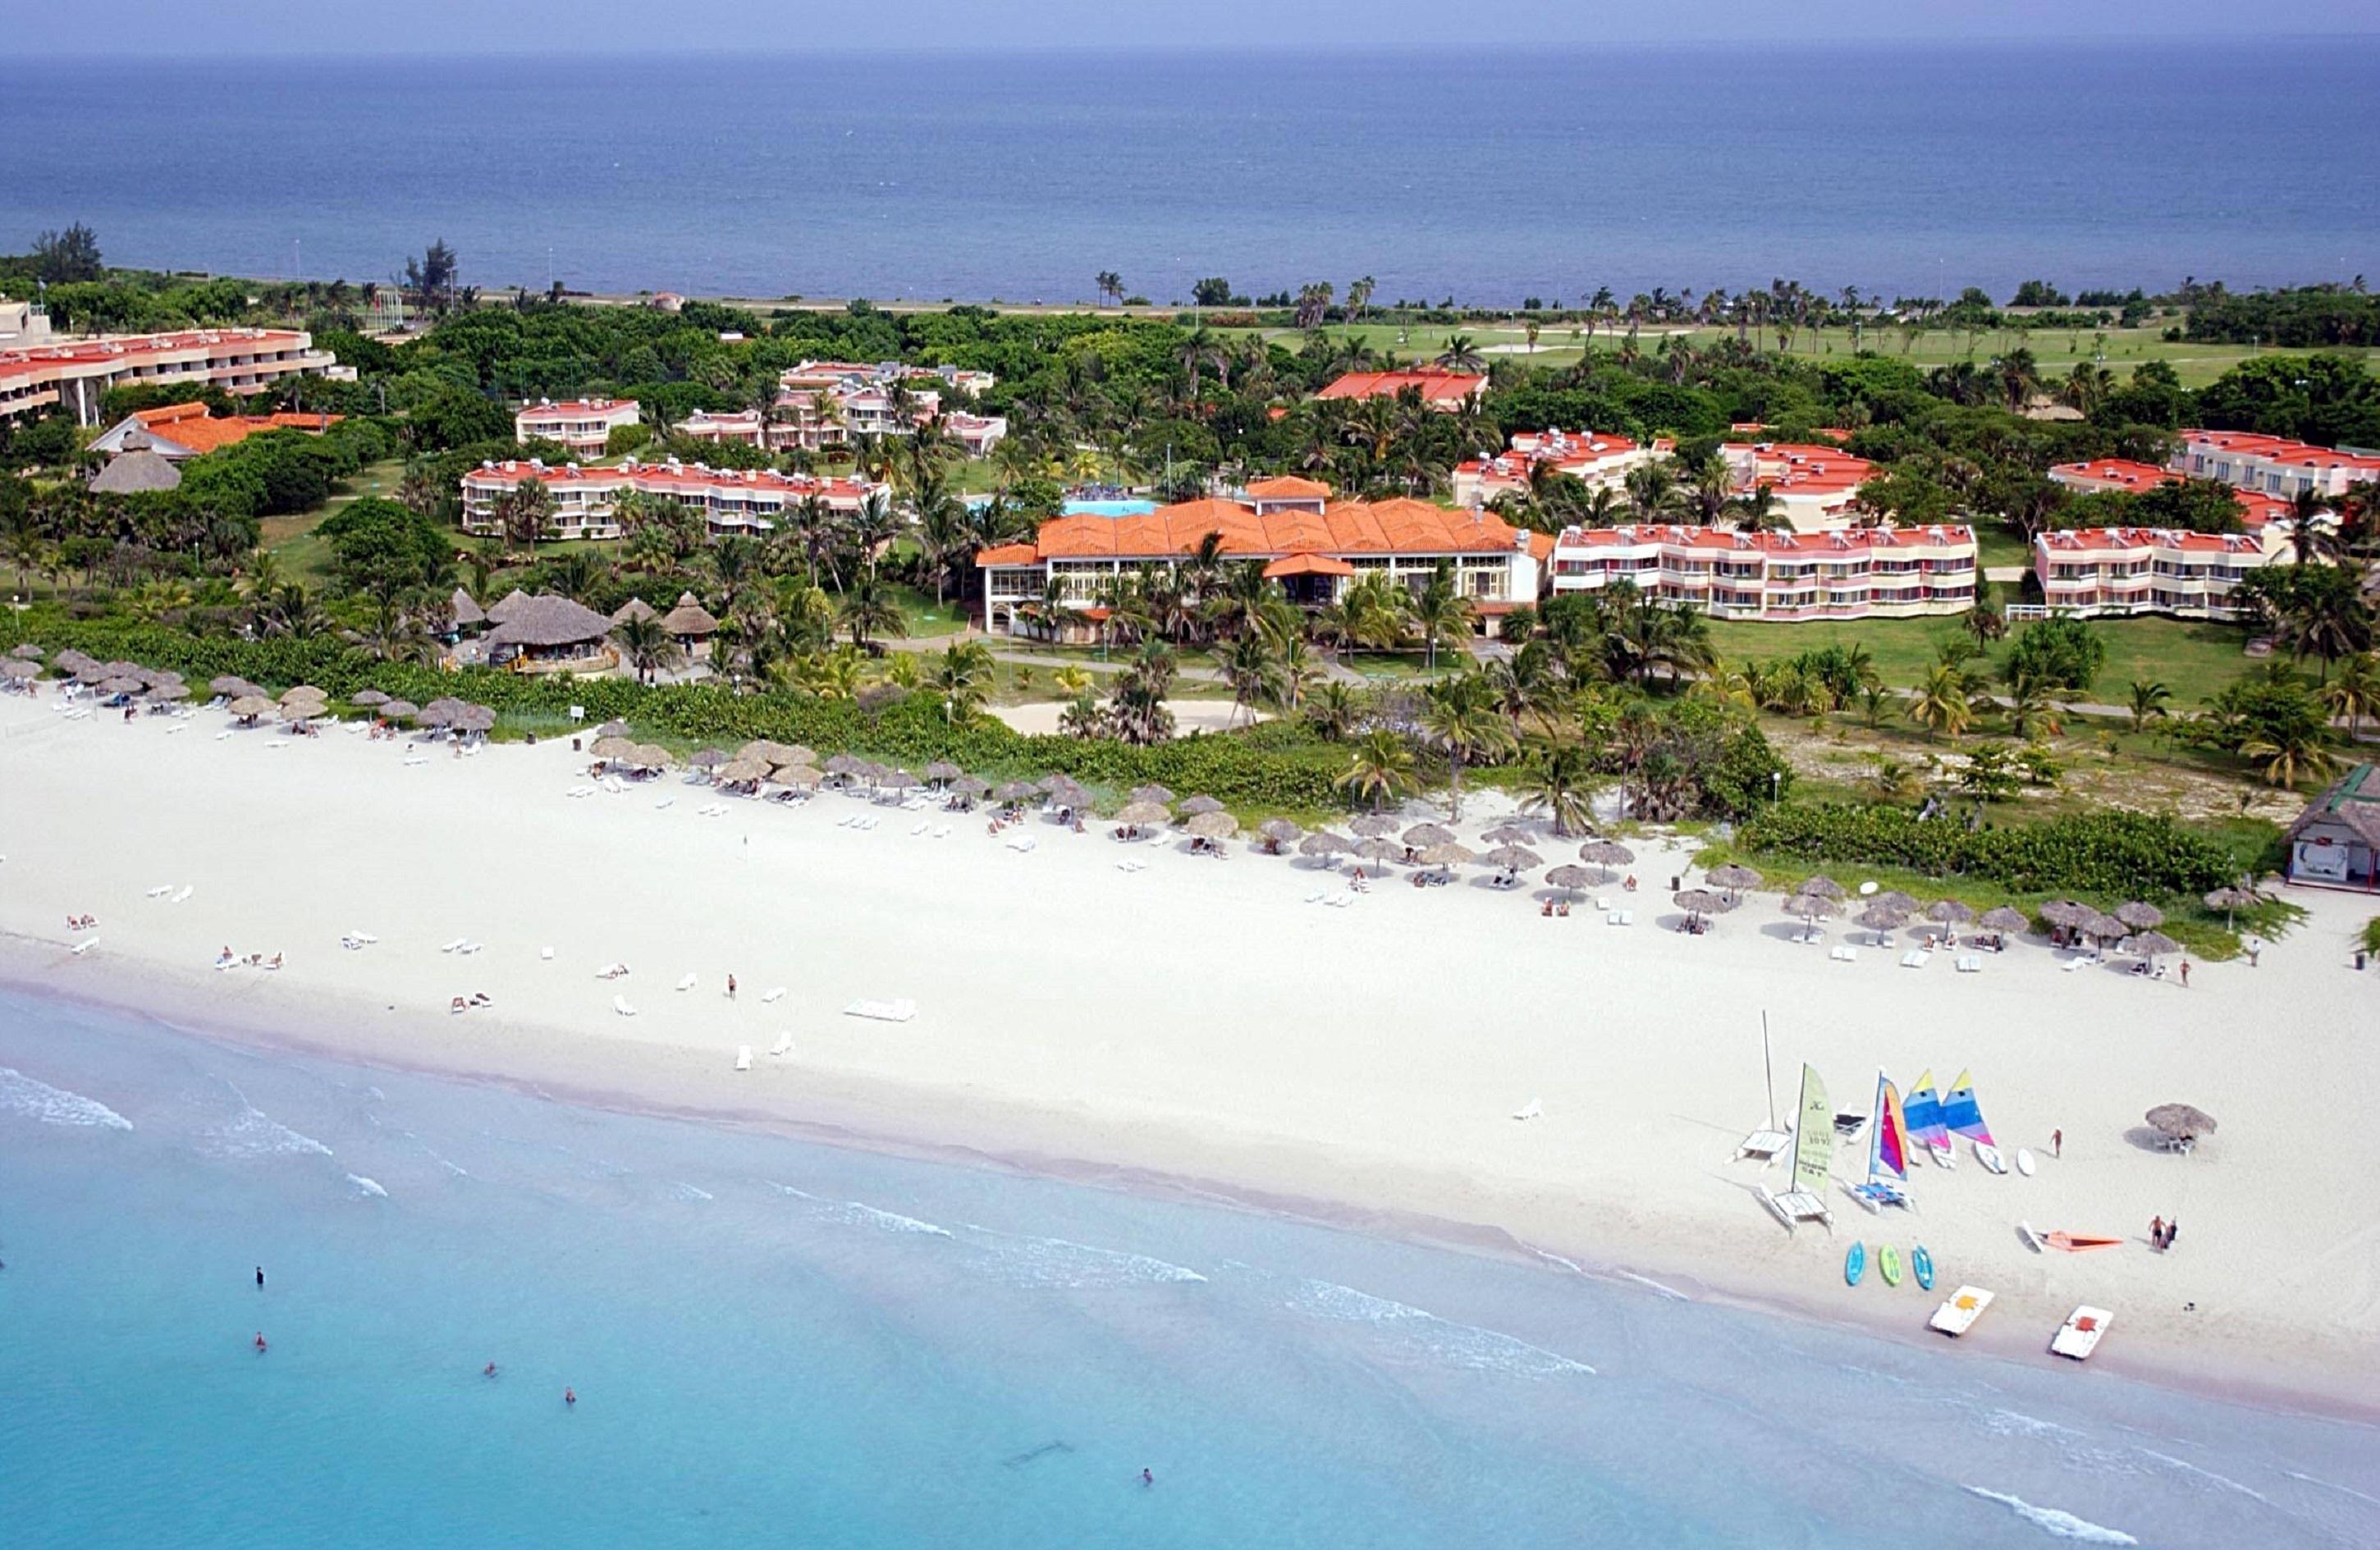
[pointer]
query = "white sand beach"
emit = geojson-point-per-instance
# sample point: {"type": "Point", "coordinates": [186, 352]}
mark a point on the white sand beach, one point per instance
{"type": "Point", "coordinates": [1199, 1024]}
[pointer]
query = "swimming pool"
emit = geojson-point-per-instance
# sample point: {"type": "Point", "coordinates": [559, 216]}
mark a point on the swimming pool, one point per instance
{"type": "Point", "coordinates": [1108, 508]}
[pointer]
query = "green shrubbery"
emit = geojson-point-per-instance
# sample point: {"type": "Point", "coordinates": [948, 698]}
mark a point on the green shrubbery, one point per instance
{"type": "Point", "coordinates": [2109, 853]}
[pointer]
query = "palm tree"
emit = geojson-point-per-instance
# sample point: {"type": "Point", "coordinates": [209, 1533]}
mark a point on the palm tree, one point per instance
{"type": "Point", "coordinates": [1459, 715]}
{"type": "Point", "coordinates": [2355, 693]}
{"type": "Point", "coordinates": [963, 678]}
{"type": "Point", "coordinates": [1462, 353]}
{"type": "Point", "coordinates": [1943, 706]}
{"type": "Point", "coordinates": [524, 511]}
{"type": "Point", "coordinates": [2032, 709]}
{"type": "Point", "coordinates": [1379, 768]}
{"type": "Point", "coordinates": [868, 610]}
{"type": "Point", "coordinates": [2148, 702]}
{"type": "Point", "coordinates": [2311, 538]}
{"type": "Point", "coordinates": [1333, 711]}
{"type": "Point", "coordinates": [1253, 670]}
{"type": "Point", "coordinates": [2291, 755]}
{"type": "Point", "coordinates": [1560, 782]}
{"type": "Point", "coordinates": [648, 647]}
{"type": "Point", "coordinates": [1442, 614]}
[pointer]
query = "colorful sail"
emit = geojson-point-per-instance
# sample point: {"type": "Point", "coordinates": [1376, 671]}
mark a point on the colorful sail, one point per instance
{"type": "Point", "coordinates": [1814, 1136]}
{"type": "Point", "coordinates": [1923, 1114]}
{"type": "Point", "coordinates": [1889, 1138]}
{"type": "Point", "coordinates": [1962, 1115]}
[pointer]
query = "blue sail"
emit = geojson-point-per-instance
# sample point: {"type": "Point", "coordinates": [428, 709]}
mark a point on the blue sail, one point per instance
{"type": "Point", "coordinates": [1963, 1114]}
{"type": "Point", "coordinates": [1921, 1113]}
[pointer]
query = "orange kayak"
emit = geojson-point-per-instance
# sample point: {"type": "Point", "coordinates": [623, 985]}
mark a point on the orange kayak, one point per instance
{"type": "Point", "coordinates": [2076, 1243]}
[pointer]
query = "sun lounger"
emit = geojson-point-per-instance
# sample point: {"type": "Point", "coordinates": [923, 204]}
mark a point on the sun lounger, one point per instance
{"type": "Point", "coordinates": [620, 1004]}
{"type": "Point", "coordinates": [666, 802]}
{"type": "Point", "coordinates": [743, 1057]}
{"type": "Point", "coordinates": [1340, 901]}
{"type": "Point", "coordinates": [686, 983]}
{"type": "Point", "coordinates": [1914, 958]}
{"type": "Point", "coordinates": [188, 889]}
{"type": "Point", "coordinates": [449, 946]}
{"type": "Point", "coordinates": [943, 833]}
{"type": "Point", "coordinates": [882, 1011]}
{"type": "Point", "coordinates": [467, 949]}
{"type": "Point", "coordinates": [2070, 965]}
{"type": "Point", "coordinates": [1129, 866]}
{"type": "Point", "coordinates": [84, 946]}
{"type": "Point", "coordinates": [416, 759]}
{"type": "Point", "coordinates": [774, 993]}
{"type": "Point", "coordinates": [1533, 1109]}
{"type": "Point", "coordinates": [1020, 843]}
{"type": "Point", "coordinates": [1971, 963]}
{"type": "Point", "coordinates": [221, 735]}
{"type": "Point", "coordinates": [1843, 954]}
{"type": "Point", "coordinates": [783, 1047]}
{"type": "Point", "coordinates": [546, 953]}
{"type": "Point", "coordinates": [612, 970]}
{"type": "Point", "coordinates": [1628, 918]}
{"type": "Point", "coordinates": [161, 890]}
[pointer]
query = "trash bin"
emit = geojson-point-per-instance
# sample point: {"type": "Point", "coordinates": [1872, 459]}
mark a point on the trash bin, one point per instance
{"type": "Point", "coordinates": [574, 746]}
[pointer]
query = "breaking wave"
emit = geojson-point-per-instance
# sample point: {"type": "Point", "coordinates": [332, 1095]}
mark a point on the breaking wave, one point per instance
{"type": "Point", "coordinates": [366, 1189]}
{"type": "Point", "coordinates": [21, 1093]}
{"type": "Point", "coordinates": [2054, 1521]}
{"type": "Point", "coordinates": [1064, 1265]}
{"type": "Point", "coordinates": [852, 1213]}
{"type": "Point", "coordinates": [1426, 1335]}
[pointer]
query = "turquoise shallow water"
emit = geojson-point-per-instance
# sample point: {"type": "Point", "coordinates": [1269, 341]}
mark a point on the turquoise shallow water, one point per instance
{"type": "Point", "coordinates": [775, 1343]}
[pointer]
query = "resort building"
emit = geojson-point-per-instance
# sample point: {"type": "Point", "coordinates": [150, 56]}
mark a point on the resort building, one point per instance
{"type": "Point", "coordinates": [1602, 460]}
{"type": "Point", "coordinates": [78, 372]}
{"type": "Point", "coordinates": [584, 425]}
{"type": "Point", "coordinates": [1440, 389]}
{"type": "Point", "coordinates": [2271, 465]}
{"type": "Point", "coordinates": [548, 633]}
{"type": "Point", "coordinates": [976, 434]}
{"type": "Point", "coordinates": [2142, 570]}
{"type": "Point", "coordinates": [178, 432]}
{"type": "Point", "coordinates": [1313, 546]}
{"type": "Point", "coordinates": [1882, 573]}
{"type": "Point", "coordinates": [586, 500]}
{"type": "Point", "coordinates": [2125, 477]}
{"type": "Point", "coordinates": [2336, 841]}
{"type": "Point", "coordinates": [1815, 486]}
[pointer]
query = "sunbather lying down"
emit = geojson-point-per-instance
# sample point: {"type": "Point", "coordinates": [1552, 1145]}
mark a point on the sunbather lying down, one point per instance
{"type": "Point", "coordinates": [464, 1003]}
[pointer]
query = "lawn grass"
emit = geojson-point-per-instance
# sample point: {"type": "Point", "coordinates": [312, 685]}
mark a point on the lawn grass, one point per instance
{"type": "Point", "coordinates": [2055, 350]}
{"type": "Point", "coordinates": [306, 558]}
{"type": "Point", "coordinates": [2191, 660]}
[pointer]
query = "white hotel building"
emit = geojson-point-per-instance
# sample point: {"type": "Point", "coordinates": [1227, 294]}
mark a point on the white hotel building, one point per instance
{"type": "Point", "coordinates": [1601, 460]}
{"type": "Point", "coordinates": [2271, 465]}
{"type": "Point", "coordinates": [38, 369]}
{"type": "Point", "coordinates": [1881, 572]}
{"type": "Point", "coordinates": [584, 425]}
{"type": "Point", "coordinates": [586, 500]}
{"type": "Point", "coordinates": [2105, 571]}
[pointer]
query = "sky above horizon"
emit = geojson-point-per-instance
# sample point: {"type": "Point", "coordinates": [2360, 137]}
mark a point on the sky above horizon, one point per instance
{"type": "Point", "coordinates": [175, 28]}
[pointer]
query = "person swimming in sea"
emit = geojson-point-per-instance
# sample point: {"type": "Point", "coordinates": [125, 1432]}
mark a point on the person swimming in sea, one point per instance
{"type": "Point", "coordinates": [570, 1397]}
{"type": "Point", "coordinates": [488, 1371]}
{"type": "Point", "coordinates": [259, 1343]}
{"type": "Point", "coordinates": [1147, 1478]}
{"type": "Point", "coordinates": [260, 1275]}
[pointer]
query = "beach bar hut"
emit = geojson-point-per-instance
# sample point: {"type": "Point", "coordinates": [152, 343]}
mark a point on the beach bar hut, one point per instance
{"type": "Point", "coordinates": [547, 634]}
{"type": "Point", "coordinates": [2336, 841]}
{"type": "Point", "coordinates": [692, 624]}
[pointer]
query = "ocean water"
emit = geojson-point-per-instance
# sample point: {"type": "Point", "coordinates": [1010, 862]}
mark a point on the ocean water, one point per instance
{"type": "Point", "coordinates": [1489, 170]}
{"type": "Point", "coordinates": [779, 1343]}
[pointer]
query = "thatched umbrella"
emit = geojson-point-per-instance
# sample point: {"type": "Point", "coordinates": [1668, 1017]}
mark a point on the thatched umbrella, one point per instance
{"type": "Point", "coordinates": [125, 668]}
{"type": "Point", "coordinates": [1507, 834]}
{"type": "Point", "coordinates": [793, 753]}
{"type": "Point", "coordinates": [742, 772]}
{"type": "Point", "coordinates": [1606, 854]}
{"type": "Point", "coordinates": [167, 693]}
{"type": "Point", "coordinates": [1515, 858]}
{"type": "Point", "coordinates": [652, 756]}
{"type": "Point", "coordinates": [2003, 919]}
{"type": "Point", "coordinates": [26, 652]}
{"type": "Point", "coordinates": [1199, 805]}
{"type": "Point", "coordinates": [1809, 907]}
{"type": "Point", "coordinates": [1883, 919]}
{"type": "Point", "coordinates": [229, 684]}
{"type": "Point", "coordinates": [1448, 854]}
{"type": "Point", "coordinates": [1698, 902]}
{"type": "Point", "coordinates": [93, 675]}
{"type": "Point", "coordinates": [1421, 836]}
{"type": "Point", "coordinates": [967, 788]}
{"type": "Point", "coordinates": [1322, 843]}
{"type": "Point", "coordinates": [941, 772]}
{"type": "Point", "coordinates": [1570, 877]}
{"type": "Point", "coordinates": [1822, 886]}
{"type": "Point", "coordinates": [1949, 911]}
{"type": "Point", "coordinates": [1280, 834]}
{"type": "Point", "coordinates": [304, 691]}
{"type": "Point", "coordinates": [123, 685]}
{"type": "Point", "coordinates": [718, 759]}
{"type": "Point", "coordinates": [2150, 945]}
{"type": "Point", "coordinates": [300, 710]}
{"type": "Point", "coordinates": [1373, 826]}
{"type": "Point", "coordinates": [609, 729]}
{"type": "Point", "coordinates": [612, 748]}
{"type": "Point", "coordinates": [1894, 899]}
{"type": "Point", "coordinates": [475, 718]}
{"type": "Point", "coordinates": [73, 659]}
{"type": "Point", "coordinates": [1213, 826]}
{"type": "Point", "coordinates": [1152, 792]}
{"type": "Point", "coordinates": [762, 749]}
{"type": "Point", "coordinates": [1010, 791]}
{"type": "Point", "coordinates": [1378, 849]}
{"type": "Point", "coordinates": [441, 712]}
{"type": "Point", "coordinates": [400, 710]}
{"type": "Point", "coordinates": [248, 707]}
{"type": "Point", "coordinates": [2140, 916]}
{"type": "Point", "coordinates": [1734, 878]}
{"type": "Point", "coordinates": [2180, 1120]}
{"type": "Point", "coordinates": [2065, 912]}
{"type": "Point", "coordinates": [2104, 927]}
{"type": "Point", "coordinates": [1134, 814]}
{"type": "Point", "coordinates": [368, 698]}
{"type": "Point", "coordinates": [804, 777]}
{"type": "Point", "coordinates": [897, 780]}
{"type": "Point", "coordinates": [2232, 899]}
{"type": "Point", "coordinates": [16, 667]}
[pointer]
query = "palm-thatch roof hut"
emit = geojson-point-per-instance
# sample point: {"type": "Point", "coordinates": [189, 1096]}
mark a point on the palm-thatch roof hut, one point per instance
{"type": "Point", "coordinates": [466, 610]}
{"type": "Point", "coordinates": [503, 607]}
{"type": "Point", "coordinates": [139, 472]}
{"type": "Point", "coordinates": [691, 623]}
{"type": "Point", "coordinates": [635, 608]}
{"type": "Point", "coordinates": [548, 628]}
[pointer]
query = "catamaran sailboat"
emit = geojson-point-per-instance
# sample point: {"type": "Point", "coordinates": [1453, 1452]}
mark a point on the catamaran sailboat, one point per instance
{"type": "Point", "coordinates": [1813, 1151]}
{"type": "Point", "coordinates": [1887, 1152]}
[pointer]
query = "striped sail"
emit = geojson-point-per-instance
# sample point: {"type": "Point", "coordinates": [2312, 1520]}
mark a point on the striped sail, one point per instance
{"type": "Point", "coordinates": [1962, 1115]}
{"type": "Point", "coordinates": [1923, 1115]}
{"type": "Point", "coordinates": [1888, 1146]}
{"type": "Point", "coordinates": [1814, 1136]}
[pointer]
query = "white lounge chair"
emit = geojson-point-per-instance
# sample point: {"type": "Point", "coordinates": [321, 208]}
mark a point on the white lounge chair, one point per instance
{"type": "Point", "coordinates": [1914, 958]}
{"type": "Point", "coordinates": [161, 890]}
{"type": "Point", "coordinates": [182, 897]}
{"type": "Point", "coordinates": [467, 949]}
{"type": "Point", "coordinates": [774, 993]}
{"type": "Point", "coordinates": [1533, 1109]}
{"type": "Point", "coordinates": [1971, 963]}
{"type": "Point", "coordinates": [686, 983]}
{"type": "Point", "coordinates": [783, 1047]}
{"type": "Point", "coordinates": [743, 1057]}
{"type": "Point", "coordinates": [450, 946]}
{"type": "Point", "coordinates": [620, 1004]}
{"type": "Point", "coordinates": [84, 946]}
{"type": "Point", "coordinates": [882, 1011]}
{"type": "Point", "coordinates": [1020, 843]}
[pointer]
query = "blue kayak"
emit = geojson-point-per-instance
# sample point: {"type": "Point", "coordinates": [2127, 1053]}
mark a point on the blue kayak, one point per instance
{"type": "Point", "coordinates": [1921, 1264]}
{"type": "Point", "coordinates": [1855, 1265]}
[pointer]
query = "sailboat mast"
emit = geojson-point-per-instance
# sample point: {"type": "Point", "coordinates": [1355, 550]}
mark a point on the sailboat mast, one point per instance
{"type": "Point", "coordinates": [1767, 1069]}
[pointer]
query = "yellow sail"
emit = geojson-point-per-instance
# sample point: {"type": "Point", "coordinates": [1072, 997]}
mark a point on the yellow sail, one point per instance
{"type": "Point", "coordinates": [1814, 1136]}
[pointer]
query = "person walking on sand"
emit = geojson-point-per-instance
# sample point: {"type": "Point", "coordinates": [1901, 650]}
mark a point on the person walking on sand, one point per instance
{"type": "Point", "coordinates": [2056, 1143]}
{"type": "Point", "coordinates": [2185, 973]}
{"type": "Point", "coordinates": [2157, 1232]}
{"type": "Point", "coordinates": [731, 988]}
{"type": "Point", "coordinates": [2172, 1229]}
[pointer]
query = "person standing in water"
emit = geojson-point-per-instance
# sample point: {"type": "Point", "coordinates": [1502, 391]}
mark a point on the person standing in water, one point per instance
{"type": "Point", "coordinates": [260, 1275]}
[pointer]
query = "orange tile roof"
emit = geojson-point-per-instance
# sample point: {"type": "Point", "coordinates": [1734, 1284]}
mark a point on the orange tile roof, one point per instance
{"type": "Point", "coordinates": [1308, 564]}
{"type": "Point", "coordinates": [1436, 387]}
{"type": "Point", "coordinates": [2113, 473]}
{"type": "Point", "coordinates": [1733, 540]}
{"type": "Point", "coordinates": [1288, 487]}
{"type": "Point", "coordinates": [1345, 528]}
{"type": "Point", "coordinates": [191, 425]}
